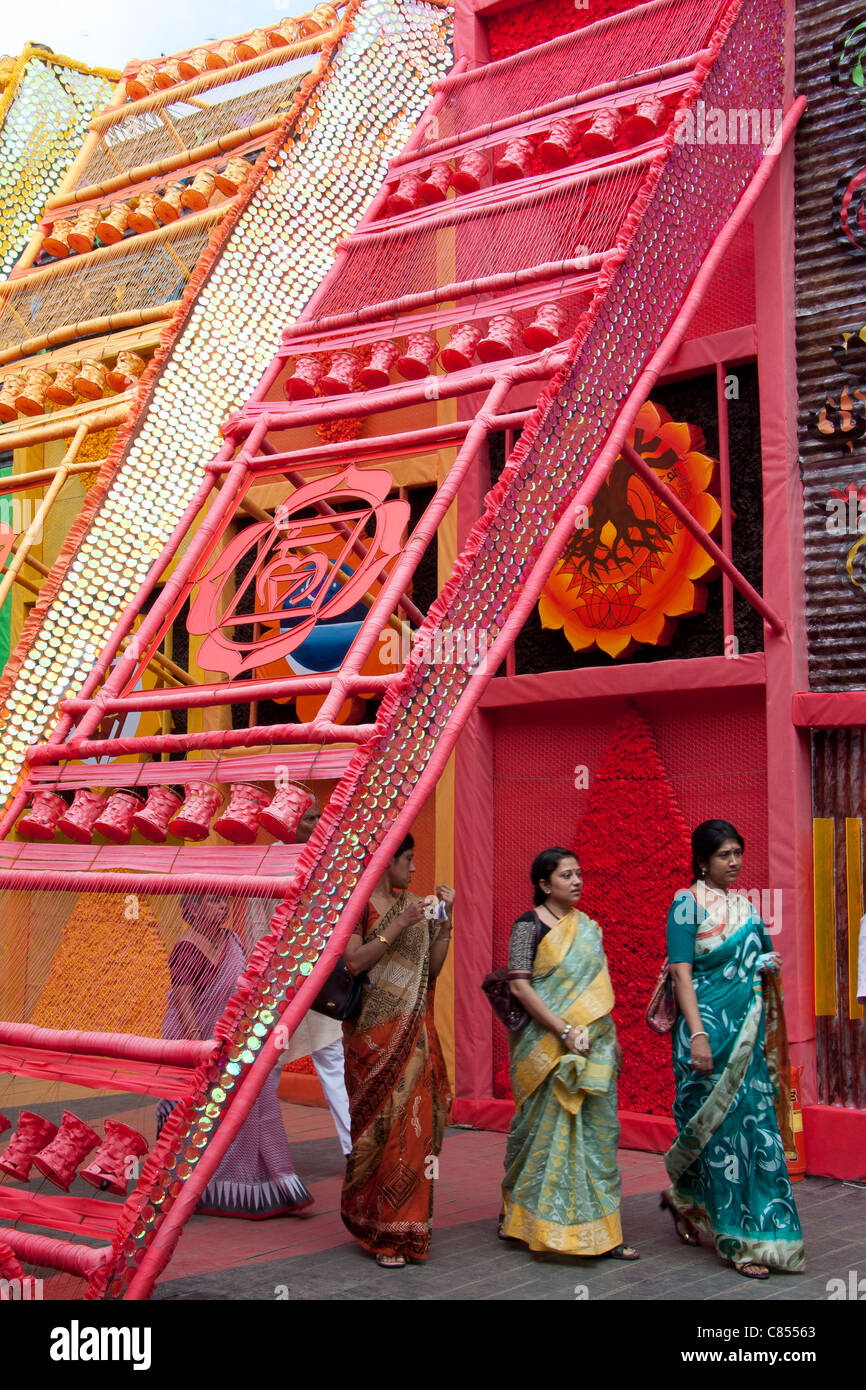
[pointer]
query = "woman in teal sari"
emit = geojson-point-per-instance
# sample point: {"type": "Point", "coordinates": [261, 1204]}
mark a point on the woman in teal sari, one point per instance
{"type": "Point", "coordinates": [561, 1191]}
{"type": "Point", "coordinates": [727, 1168]}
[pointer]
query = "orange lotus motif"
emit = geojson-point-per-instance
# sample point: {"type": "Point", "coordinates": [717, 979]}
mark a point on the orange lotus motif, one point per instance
{"type": "Point", "coordinates": [632, 569]}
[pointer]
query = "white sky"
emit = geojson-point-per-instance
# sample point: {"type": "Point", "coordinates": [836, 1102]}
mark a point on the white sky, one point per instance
{"type": "Point", "coordinates": [106, 35]}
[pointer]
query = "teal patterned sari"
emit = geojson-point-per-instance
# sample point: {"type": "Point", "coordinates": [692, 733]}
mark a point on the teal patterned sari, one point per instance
{"type": "Point", "coordinates": [727, 1167]}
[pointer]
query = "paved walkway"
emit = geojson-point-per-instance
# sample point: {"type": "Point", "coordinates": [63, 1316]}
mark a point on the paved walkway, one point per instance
{"type": "Point", "coordinates": [313, 1257]}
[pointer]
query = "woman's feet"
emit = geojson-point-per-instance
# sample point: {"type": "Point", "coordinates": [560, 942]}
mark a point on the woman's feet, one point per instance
{"type": "Point", "coordinates": [683, 1227]}
{"type": "Point", "coordinates": [391, 1261]}
{"type": "Point", "coordinates": [750, 1270]}
{"type": "Point", "coordinates": [621, 1252]}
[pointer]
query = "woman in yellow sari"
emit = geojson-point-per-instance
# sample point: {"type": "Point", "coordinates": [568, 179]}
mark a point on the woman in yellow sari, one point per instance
{"type": "Point", "coordinates": [561, 1190]}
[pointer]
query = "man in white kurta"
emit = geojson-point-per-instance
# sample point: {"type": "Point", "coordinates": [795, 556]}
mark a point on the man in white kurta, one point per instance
{"type": "Point", "coordinates": [316, 1036]}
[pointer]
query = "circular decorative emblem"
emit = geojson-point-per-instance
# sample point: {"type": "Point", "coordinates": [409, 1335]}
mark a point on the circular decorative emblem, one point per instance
{"type": "Point", "coordinates": [631, 567]}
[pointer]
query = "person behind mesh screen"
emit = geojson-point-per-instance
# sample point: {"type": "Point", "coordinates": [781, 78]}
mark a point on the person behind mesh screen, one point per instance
{"type": "Point", "coordinates": [256, 1176]}
{"type": "Point", "coordinates": [317, 1037]}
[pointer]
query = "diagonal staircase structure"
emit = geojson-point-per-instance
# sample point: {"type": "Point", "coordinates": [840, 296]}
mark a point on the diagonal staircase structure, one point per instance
{"type": "Point", "coordinates": [577, 277]}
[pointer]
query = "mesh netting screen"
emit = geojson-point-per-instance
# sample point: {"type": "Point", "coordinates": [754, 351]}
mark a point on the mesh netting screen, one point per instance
{"type": "Point", "coordinates": [637, 42]}
{"type": "Point", "coordinates": [551, 224]}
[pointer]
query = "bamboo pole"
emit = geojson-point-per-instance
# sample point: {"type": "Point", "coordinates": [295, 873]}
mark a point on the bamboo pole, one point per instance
{"type": "Point", "coordinates": [52, 428]}
{"type": "Point", "coordinates": [143, 172]}
{"type": "Point", "coordinates": [117, 252]}
{"type": "Point", "coordinates": [34, 530]}
{"type": "Point", "coordinates": [87, 328]}
{"type": "Point", "coordinates": [215, 77]}
{"type": "Point", "coordinates": [23, 482]}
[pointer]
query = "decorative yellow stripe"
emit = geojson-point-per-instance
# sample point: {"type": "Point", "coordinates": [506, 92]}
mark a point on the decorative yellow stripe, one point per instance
{"type": "Point", "coordinates": [592, 1238]}
{"type": "Point", "coordinates": [824, 878]}
{"type": "Point", "coordinates": [854, 890]}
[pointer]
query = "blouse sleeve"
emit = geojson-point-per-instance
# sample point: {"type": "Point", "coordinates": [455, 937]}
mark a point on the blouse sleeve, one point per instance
{"type": "Point", "coordinates": [521, 948]}
{"type": "Point", "coordinates": [682, 927]}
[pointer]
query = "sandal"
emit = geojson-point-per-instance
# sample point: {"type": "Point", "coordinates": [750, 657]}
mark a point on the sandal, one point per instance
{"type": "Point", "coordinates": [391, 1261]}
{"type": "Point", "coordinates": [689, 1235]}
{"type": "Point", "coordinates": [621, 1252]}
{"type": "Point", "coordinates": [750, 1270]}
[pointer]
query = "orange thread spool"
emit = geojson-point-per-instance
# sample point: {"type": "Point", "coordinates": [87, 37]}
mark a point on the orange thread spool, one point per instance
{"type": "Point", "coordinates": [142, 83]}
{"type": "Point", "coordinates": [168, 204]}
{"type": "Point", "coordinates": [223, 56]}
{"type": "Point", "coordinates": [56, 243]}
{"type": "Point", "coordinates": [194, 64]}
{"type": "Point", "coordinates": [90, 381]}
{"type": "Point", "coordinates": [168, 75]}
{"type": "Point", "coordinates": [200, 191]}
{"type": "Point", "coordinates": [110, 230]}
{"type": "Point", "coordinates": [83, 234]}
{"type": "Point", "coordinates": [254, 44]}
{"type": "Point", "coordinates": [62, 388]}
{"type": "Point", "coordinates": [286, 33]}
{"type": "Point", "coordinates": [31, 398]}
{"type": "Point", "coordinates": [324, 17]}
{"type": "Point", "coordinates": [143, 218]}
{"type": "Point", "coordinates": [9, 390]}
{"type": "Point", "coordinates": [233, 175]}
{"type": "Point", "coordinates": [126, 371]}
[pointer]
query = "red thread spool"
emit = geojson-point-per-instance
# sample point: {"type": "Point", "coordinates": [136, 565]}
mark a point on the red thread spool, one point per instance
{"type": "Point", "coordinates": [341, 376]}
{"type": "Point", "coordinates": [4, 1123]}
{"type": "Point", "coordinates": [152, 821]}
{"type": "Point", "coordinates": [546, 328]}
{"type": "Point", "coordinates": [239, 823]}
{"type": "Point", "coordinates": [115, 822]}
{"type": "Point", "coordinates": [31, 1135]}
{"type": "Point", "coordinates": [108, 1168]}
{"type": "Point", "coordinates": [79, 819]}
{"type": "Point", "coordinates": [646, 120]}
{"type": "Point", "coordinates": [378, 370]}
{"type": "Point", "coordinates": [406, 196]}
{"type": "Point", "coordinates": [461, 349]}
{"type": "Point", "coordinates": [70, 1146]}
{"type": "Point", "coordinates": [501, 340]}
{"type": "Point", "coordinates": [437, 183]}
{"type": "Point", "coordinates": [301, 385]}
{"type": "Point", "coordinates": [192, 822]}
{"type": "Point", "coordinates": [421, 351]}
{"type": "Point", "coordinates": [559, 145]}
{"type": "Point", "coordinates": [12, 1268]}
{"type": "Point", "coordinates": [470, 171]}
{"type": "Point", "coordinates": [39, 822]}
{"type": "Point", "coordinates": [602, 135]}
{"type": "Point", "coordinates": [515, 160]}
{"type": "Point", "coordinates": [286, 812]}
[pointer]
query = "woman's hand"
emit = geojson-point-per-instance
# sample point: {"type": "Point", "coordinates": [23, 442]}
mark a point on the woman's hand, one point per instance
{"type": "Point", "coordinates": [412, 913]}
{"type": "Point", "coordinates": [702, 1057]}
{"type": "Point", "coordinates": [772, 963]}
{"type": "Point", "coordinates": [445, 893]}
{"type": "Point", "coordinates": [577, 1041]}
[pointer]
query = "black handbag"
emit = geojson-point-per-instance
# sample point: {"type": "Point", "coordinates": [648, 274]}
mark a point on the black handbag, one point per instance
{"type": "Point", "coordinates": [342, 993]}
{"type": "Point", "coordinates": [503, 1003]}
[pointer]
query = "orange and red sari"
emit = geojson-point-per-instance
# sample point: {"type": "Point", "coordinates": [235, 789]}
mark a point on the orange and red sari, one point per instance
{"type": "Point", "coordinates": [398, 1097]}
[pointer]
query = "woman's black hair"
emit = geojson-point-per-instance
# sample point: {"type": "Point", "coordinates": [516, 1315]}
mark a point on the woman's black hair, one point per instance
{"type": "Point", "coordinates": [706, 839]}
{"type": "Point", "coordinates": [407, 843]}
{"type": "Point", "coordinates": [545, 864]}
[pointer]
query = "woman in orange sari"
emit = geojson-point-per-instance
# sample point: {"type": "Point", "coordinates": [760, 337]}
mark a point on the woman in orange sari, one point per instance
{"type": "Point", "coordinates": [395, 1073]}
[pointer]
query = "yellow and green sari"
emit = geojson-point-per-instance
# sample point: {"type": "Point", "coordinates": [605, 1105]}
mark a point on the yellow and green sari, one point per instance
{"type": "Point", "coordinates": [561, 1190]}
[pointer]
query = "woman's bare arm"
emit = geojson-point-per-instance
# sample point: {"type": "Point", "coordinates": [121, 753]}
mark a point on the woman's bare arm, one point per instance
{"type": "Point", "coordinates": [537, 1009]}
{"type": "Point", "coordinates": [702, 1057]}
{"type": "Point", "coordinates": [360, 956]}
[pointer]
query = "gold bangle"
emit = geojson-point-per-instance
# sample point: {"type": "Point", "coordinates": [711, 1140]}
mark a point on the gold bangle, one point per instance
{"type": "Point", "coordinates": [379, 937]}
